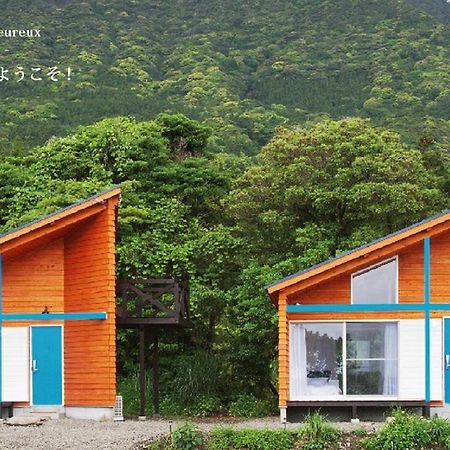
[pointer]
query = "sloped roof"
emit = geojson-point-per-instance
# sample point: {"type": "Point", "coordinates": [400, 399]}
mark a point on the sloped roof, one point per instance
{"type": "Point", "coordinates": [64, 213]}
{"type": "Point", "coordinates": [424, 225]}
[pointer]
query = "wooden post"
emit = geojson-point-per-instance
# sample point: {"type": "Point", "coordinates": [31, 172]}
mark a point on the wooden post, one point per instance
{"type": "Point", "coordinates": [354, 411]}
{"type": "Point", "coordinates": [142, 370]}
{"type": "Point", "coordinates": [155, 369]}
{"type": "Point", "coordinates": [426, 410]}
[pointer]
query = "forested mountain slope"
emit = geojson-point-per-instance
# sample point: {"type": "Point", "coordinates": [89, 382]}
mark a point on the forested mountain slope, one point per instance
{"type": "Point", "coordinates": [243, 68]}
{"type": "Point", "coordinates": [437, 8]}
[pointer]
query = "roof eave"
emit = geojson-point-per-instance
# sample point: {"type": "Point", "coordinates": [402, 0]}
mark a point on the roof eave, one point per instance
{"type": "Point", "coordinates": [353, 254]}
{"type": "Point", "coordinates": [57, 215]}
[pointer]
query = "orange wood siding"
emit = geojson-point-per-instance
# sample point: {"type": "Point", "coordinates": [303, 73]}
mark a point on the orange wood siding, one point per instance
{"type": "Point", "coordinates": [410, 274]}
{"type": "Point", "coordinates": [35, 280]}
{"type": "Point", "coordinates": [336, 290]}
{"type": "Point", "coordinates": [283, 353]}
{"type": "Point", "coordinates": [90, 346]}
{"type": "Point", "coordinates": [440, 268]}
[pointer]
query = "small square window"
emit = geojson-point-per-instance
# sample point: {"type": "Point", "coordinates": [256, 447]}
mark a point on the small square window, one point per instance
{"type": "Point", "coordinates": [376, 284]}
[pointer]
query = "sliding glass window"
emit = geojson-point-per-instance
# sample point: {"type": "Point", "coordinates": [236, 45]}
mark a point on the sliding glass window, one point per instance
{"type": "Point", "coordinates": [329, 359]}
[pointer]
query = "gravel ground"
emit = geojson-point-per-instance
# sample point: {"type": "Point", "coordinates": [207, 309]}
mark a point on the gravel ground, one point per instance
{"type": "Point", "coordinates": [87, 435]}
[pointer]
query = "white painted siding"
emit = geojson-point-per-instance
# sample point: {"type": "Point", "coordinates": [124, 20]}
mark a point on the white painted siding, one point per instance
{"type": "Point", "coordinates": [15, 364]}
{"type": "Point", "coordinates": [437, 357]}
{"type": "Point", "coordinates": [411, 351]}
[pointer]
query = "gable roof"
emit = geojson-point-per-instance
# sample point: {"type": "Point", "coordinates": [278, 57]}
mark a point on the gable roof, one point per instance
{"type": "Point", "coordinates": [72, 212]}
{"type": "Point", "coordinates": [418, 228]}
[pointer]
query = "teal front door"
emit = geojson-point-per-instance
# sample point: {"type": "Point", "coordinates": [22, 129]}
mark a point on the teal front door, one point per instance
{"type": "Point", "coordinates": [46, 365]}
{"type": "Point", "coordinates": [447, 359]}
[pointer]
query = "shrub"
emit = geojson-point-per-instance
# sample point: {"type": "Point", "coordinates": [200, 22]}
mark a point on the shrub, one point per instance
{"type": "Point", "coordinates": [163, 443]}
{"type": "Point", "coordinates": [169, 407]}
{"type": "Point", "coordinates": [247, 405]}
{"type": "Point", "coordinates": [129, 389]}
{"type": "Point", "coordinates": [187, 437]}
{"type": "Point", "coordinates": [205, 406]}
{"type": "Point", "coordinates": [229, 439]}
{"type": "Point", "coordinates": [405, 432]}
{"type": "Point", "coordinates": [195, 375]}
{"type": "Point", "coordinates": [360, 432]}
{"type": "Point", "coordinates": [440, 431]}
{"type": "Point", "coordinates": [317, 433]}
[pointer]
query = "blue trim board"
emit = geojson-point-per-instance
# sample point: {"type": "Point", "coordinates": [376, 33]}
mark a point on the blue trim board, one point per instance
{"type": "Point", "coordinates": [368, 308]}
{"type": "Point", "coordinates": [54, 316]}
{"type": "Point", "coordinates": [427, 298]}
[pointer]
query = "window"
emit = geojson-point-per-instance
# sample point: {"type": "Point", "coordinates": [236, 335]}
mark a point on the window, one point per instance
{"type": "Point", "coordinates": [317, 359]}
{"type": "Point", "coordinates": [376, 284]}
{"type": "Point", "coordinates": [330, 359]}
{"type": "Point", "coordinates": [371, 358]}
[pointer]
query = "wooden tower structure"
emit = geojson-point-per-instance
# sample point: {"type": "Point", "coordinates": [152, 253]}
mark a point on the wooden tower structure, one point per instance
{"type": "Point", "coordinates": [150, 305]}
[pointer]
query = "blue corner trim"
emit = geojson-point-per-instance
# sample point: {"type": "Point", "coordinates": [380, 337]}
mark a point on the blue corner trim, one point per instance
{"type": "Point", "coordinates": [427, 301]}
{"type": "Point", "coordinates": [1, 311]}
{"type": "Point", "coordinates": [54, 316]}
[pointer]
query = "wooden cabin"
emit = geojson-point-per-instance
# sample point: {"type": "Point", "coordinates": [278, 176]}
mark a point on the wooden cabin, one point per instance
{"type": "Point", "coordinates": [57, 312]}
{"type": "Point", "coordinates": [370, 328]}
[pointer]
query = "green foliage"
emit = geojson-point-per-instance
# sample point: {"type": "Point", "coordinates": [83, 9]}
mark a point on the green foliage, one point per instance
{"type": "Point", "coordinates": [317, 433]}
{"type": "Point", "coordinates": [230, 439]}
{"type": "Point", "coordinates": [169, 406]}
{"type": "Point", "coordinates": [440, 431]}
{"type": "Point", "coordinates": [163, 443]}
{"type": "Point", "coordinates": [407, 431]}
{"type": "Point", "coordinates": [205, 406]}
{"type": "Point", "coordinates": [243, 71]}
{"type": "Point", "coordinates": [196, 377]}
{"type": "Point", "coordinates": [128, 388]}
{"type": "Point", "coordinates": [252, 322]}
{"type": "Point", "coordinates": [360, 432]}
{"type": "Point", "coordinates": [247, 405]}
{"type": "Point", "coordinates": [186, 137]}
{"type": "Point", "coordinates": [319, 191]}
{"type": "Point", "coordinates": [187, 437]}
{"type": "Point", "coordinates": [190, 386]}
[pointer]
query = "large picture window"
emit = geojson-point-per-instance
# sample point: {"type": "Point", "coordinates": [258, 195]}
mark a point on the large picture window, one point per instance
{"type": "Point", "coordinates": [376, 284]}
{"type": "Point", "coordinates": [330, 359]}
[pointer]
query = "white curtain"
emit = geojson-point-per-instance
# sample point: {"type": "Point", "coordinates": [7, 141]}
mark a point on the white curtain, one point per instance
{"type": "Point", "coordinates": [297, 357]}
{"type": "Point", "coordinates": [390, 353]}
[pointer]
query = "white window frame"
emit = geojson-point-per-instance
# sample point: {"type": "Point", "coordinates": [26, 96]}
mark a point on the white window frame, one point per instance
{"type": "Point", "coordinates": [344, 395]}
{"type": "Point", "coordinates": [374, 266]}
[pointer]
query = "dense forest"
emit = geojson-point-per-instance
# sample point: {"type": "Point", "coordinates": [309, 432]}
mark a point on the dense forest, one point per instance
{"type": "Point", "coordinates": [251, 140]}
{"type": "Point", "coordinates": [241, 68]}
